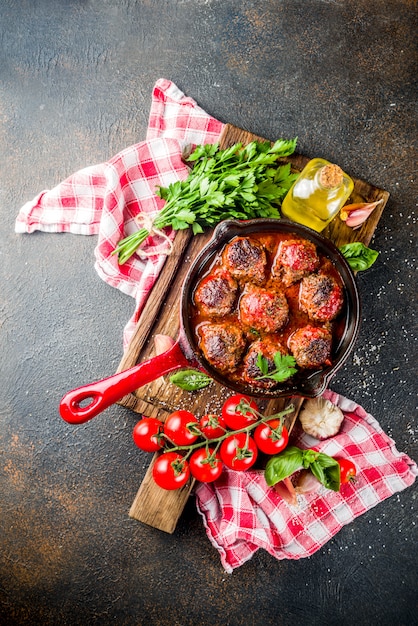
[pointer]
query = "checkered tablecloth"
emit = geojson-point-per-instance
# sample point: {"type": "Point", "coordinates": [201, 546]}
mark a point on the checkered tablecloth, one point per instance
{"type": "Point", "coordinates": [240, 512]}
{"type": "Point", "coordinates": [104, 199]}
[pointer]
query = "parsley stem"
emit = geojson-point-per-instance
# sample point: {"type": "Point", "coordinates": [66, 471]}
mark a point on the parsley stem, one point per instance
{"type": "Point", "coordinates": [237, 182]}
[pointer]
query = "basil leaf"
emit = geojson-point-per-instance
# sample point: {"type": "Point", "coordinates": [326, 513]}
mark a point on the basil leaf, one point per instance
{"type": "Point", "coordinates": [326, 460]}
{"type": "Point", "coordinates": [283, 465]}
{"type": "Point", "coordinates": [327, 471]}
{"type": "Point", "coordinates": [329, 477]}
{"type": "Point", "coordinates": [318, 472]}
{"type": "Point", "coordinates": [325, 468]}
{"type": "Point", "coordinates": [358, 256]}
{"type": "Point", "coordinates": [190, 380]}
{"type": "Point", "coordinates": [309, 456]}
{"type": "Point", "coordinates": [334, 477]}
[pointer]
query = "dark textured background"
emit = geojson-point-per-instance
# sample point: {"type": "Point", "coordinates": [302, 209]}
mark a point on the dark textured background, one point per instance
{"type": "Point", "coordinates": [76, 81]}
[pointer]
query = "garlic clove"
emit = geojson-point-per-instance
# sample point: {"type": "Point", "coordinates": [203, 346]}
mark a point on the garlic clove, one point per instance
{"type": "Point", "coordinates": [354, 215]}
{"type": "Point", "coordinates": [286, 490]}
{"type": "Point", "coordinates": [162, 343]}
{"type": "Point", "coordinates": [307, 483]}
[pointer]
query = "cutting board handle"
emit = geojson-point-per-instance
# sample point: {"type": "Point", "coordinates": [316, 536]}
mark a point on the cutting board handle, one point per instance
{"type": "Point", "coordinates": [84, 403]}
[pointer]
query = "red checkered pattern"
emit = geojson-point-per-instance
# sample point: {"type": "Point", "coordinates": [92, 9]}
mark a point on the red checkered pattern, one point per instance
{"type": "Point", "coordinates": [242, 514]}
{"type": "Point", "coordinates": [104, 199]}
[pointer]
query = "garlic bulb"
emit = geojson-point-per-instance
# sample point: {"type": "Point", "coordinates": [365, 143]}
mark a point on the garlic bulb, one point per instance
{"type": "Point", "coordinates": [320, 418]}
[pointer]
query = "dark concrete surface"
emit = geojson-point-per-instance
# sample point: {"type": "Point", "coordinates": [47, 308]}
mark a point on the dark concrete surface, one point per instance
{"type": "Point", "coordinates": [76, 79]}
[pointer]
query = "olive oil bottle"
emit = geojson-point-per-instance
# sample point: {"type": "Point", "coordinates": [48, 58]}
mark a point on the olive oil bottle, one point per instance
{"type": "Point", "coordinates": [317, 195]}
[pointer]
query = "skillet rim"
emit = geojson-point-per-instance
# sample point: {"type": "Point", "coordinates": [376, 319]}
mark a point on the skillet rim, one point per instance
{"type": "Point", "coordinates": [315, 382]}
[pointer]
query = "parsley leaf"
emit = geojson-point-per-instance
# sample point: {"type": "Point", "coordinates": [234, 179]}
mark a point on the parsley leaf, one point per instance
{"type": "Point", "coordinates": [284, 367]}
{"type": "Point", "coordinates": [239, 182]}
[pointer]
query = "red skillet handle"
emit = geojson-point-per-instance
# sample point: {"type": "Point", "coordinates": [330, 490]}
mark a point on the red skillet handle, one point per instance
{"type": "Point", "coordinates": [106, 392]}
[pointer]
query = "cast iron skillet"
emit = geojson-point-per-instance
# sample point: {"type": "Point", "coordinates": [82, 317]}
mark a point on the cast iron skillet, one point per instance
{"type": "Point", "coordinates": [81, 404]}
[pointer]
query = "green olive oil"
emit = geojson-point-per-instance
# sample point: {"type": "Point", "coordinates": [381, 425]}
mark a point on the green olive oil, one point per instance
{"type": "Point", "coordinates": [317, 195]}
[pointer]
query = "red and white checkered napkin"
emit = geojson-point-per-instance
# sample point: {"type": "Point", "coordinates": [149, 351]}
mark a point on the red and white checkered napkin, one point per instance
{"type": "Point", "coordinates": [242, 514]}
{"type": "Point", "coordinates": [104, 199]}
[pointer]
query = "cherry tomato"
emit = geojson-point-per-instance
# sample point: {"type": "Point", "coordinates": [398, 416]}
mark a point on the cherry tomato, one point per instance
{"type": "Point", "coordinates": [212, 426]}
{"type": "Point", "coordinates": [238, 451]}
{"type": "Point", "coordinates": [348, 470]}
{"type": "Point", "coordinates": [145, 434]}
{"type": "Point", "coordinates": [171, 471]}
{"type": "Point", "coordinates": [204, 465]}
{"type": "Point", "coordinates": [181, 428]}
{"type": "Point", "coordinates": [268, 439]}
{"type": "Point", "coordinates": [234, 417]}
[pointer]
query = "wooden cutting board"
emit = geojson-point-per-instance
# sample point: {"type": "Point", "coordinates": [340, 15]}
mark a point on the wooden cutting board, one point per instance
{"type": "Point", "coordinates": [152, 505]}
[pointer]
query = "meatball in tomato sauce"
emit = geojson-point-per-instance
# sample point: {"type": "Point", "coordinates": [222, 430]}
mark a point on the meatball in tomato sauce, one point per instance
{"type": "Point", "coordinates": [295, 259]}
{"type": "Point", "coordinates": [321, 297]}
{"type": "Point", "coordinates": [216, 294]}
{"type": "Point", "coordinates": [246, 259]}
{"type": "Point", "coordinates": [263, 309]}
{"type": "Point", "coordinates": [222, 345]}
{"type": "Point", "coordinates": [311, 346]}
{"type": "Point", "coordinates": [251, 372]}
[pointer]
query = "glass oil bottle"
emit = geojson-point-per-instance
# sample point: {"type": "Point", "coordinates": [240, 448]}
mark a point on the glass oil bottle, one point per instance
{"type": "Point", "coordinates": [317, 195]}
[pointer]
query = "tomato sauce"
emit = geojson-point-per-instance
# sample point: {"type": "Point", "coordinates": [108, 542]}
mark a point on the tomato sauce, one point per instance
{"type": "Point", "coordinates": [296, 319]}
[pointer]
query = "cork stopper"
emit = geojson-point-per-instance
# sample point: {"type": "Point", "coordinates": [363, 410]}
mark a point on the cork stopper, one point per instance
{"type": "Point", "coordinates": [331, 176]}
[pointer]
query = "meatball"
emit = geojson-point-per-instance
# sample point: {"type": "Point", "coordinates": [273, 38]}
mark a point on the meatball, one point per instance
{"type": "Point", "coordinates": [222, 345]}
{"type": "Point", "coordinates": [295, 259]}
{"type": "Point", "coordinates": [311, 346]}
{"type": "Point", "coordinates": [216, 294]}
{"type": "Point", "coordinates": [321, 297]}
{"type": "Point", "coordinates": [251, 372]}
{"type": "Point", "coordinates": [246, 259]}
{"type": "Point", "coordinates": [263, 309]}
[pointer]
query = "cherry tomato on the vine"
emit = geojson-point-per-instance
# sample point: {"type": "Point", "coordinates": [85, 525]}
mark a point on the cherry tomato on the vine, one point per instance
{"type": "Point", "coordinates": [270, 438]}
{"type": "Point", "coordinates": [181, 427]}
{"type": "Point", "coordinates": [205, 465]}
{"type": "Point", "coordinates": [239, 451]}
{"type": "Point", "coordinates": [348, 470]}
{"type": "Point", "coordinates": [212, 426]}
{"type": "Point", "coordinates": [145, 434]}
{"type": "Point", "coordinates": [234, 417]}
{"type": "Point", "coordinates": [171, 471]}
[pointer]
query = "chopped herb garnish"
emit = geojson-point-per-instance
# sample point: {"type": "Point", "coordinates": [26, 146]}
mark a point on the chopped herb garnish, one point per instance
{"type": "Point", "coordinates": [284, 367]}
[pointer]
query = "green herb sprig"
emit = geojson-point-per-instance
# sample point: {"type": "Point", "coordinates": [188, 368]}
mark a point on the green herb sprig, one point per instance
{"type": "Point", "coordinates": [240, 182]}
{"type": "Point", "coordinates": [284, 367]}
{"type": "Point", "coordinates": [325, 468]}
{"type": "Point", "coordinates": [191, 380]}
{"type": "Point", "coordinates": [359, 256]}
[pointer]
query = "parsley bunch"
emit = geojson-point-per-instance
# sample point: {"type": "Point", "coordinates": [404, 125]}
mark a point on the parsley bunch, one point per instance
{"type": "Point", "coordinates": [240, 182]}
